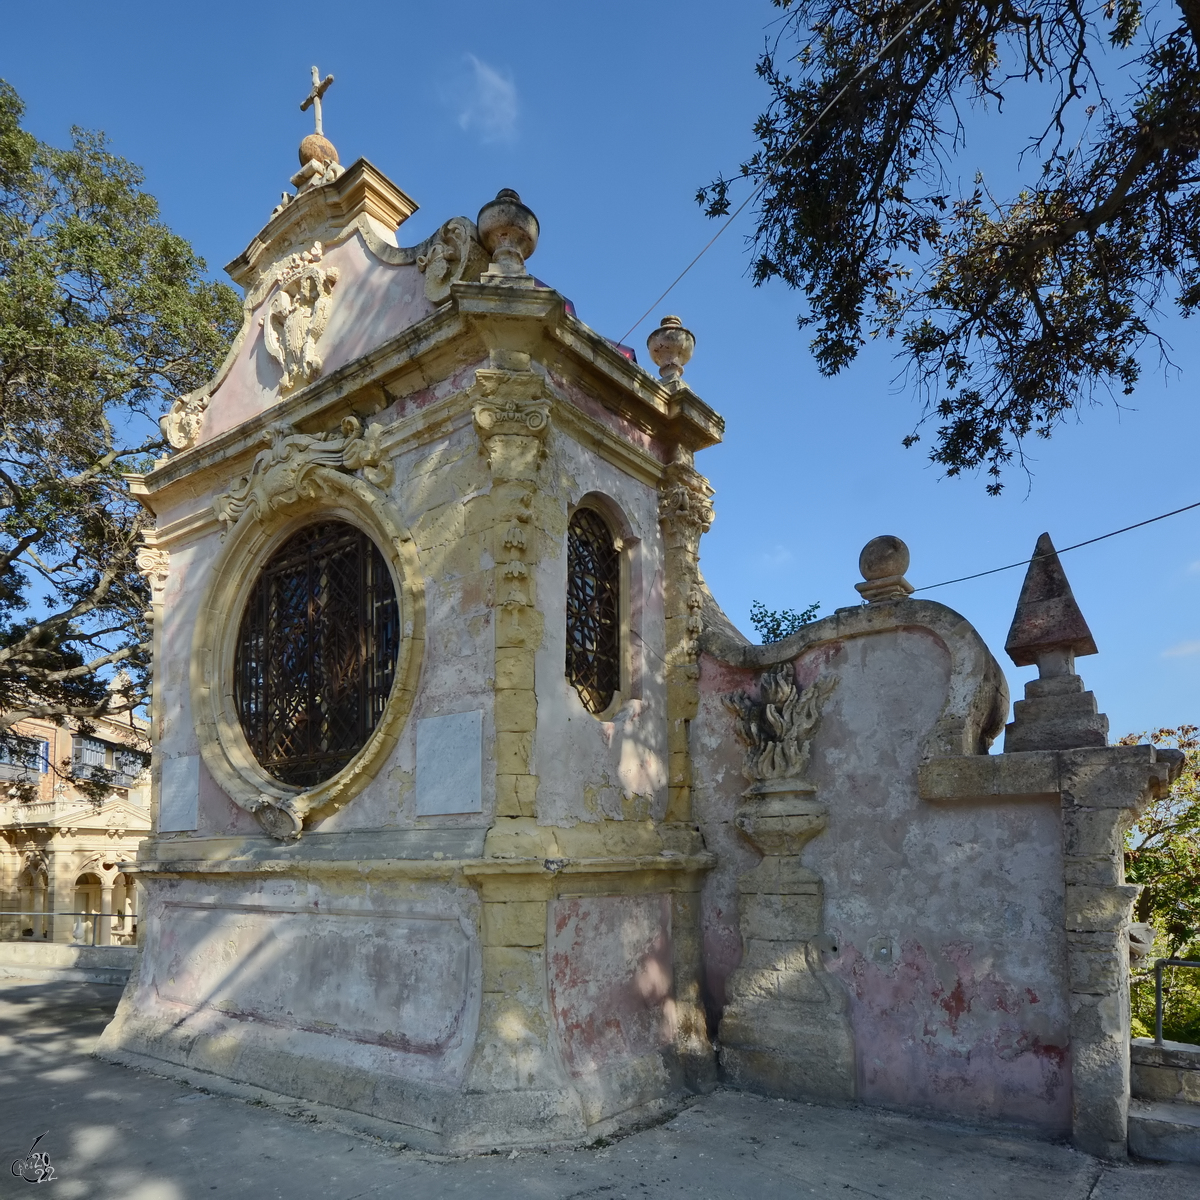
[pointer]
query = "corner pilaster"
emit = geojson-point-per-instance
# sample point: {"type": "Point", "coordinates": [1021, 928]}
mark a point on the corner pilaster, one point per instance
{"type": "Point", "coordinates": [685, 512]}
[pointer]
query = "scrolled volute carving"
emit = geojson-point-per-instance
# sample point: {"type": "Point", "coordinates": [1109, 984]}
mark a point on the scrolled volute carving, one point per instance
{"type": "Point", "coordinates": [524, 417]}
{"type": "Point", "coordinates": [181, 425]}
{"type": "Point", "coordinates": [155, 564]}
{"type": "Point", "coordinates": [294, 466]}
{"type": "Point", "coordinates": [453, 255]}
{"type": "Point", "coordinates": [777, 728]}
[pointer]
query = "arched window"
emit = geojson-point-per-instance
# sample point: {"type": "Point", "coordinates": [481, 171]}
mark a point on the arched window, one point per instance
{"type": "Point", "coordinates": [593, 610]}
{"type": "Point", "coordinates": [316, 653]}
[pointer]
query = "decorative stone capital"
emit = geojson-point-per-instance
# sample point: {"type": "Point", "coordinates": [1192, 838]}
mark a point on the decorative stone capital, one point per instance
{"type": "Point", "coordinates": [293, 465]}
{"type": "Point", "coordinates": [512, 417]}
{"type": "Point", "coordinates": [685, 504]}
{"type": "Point", "coordinates": [155, 564]}
{"type": "Point", "coordinates": [524, 418]}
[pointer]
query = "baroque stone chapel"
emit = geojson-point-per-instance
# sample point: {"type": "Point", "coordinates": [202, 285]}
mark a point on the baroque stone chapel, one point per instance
{"type": "Point", "coordinates": [476, 819]}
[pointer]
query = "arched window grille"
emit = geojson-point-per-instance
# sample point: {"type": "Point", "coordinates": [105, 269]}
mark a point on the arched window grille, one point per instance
{"type": "Point", "coordinates": [316, 653]}
{"type": "Point", "coordinates": [593, 610]}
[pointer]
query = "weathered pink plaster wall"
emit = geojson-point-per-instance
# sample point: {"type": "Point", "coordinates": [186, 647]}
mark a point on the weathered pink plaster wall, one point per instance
{"type": "Point", "coordinates": [610, 978]}
{"type": "Point", "coordinates": [372, 302]}
{"type": "Point", "coordinates": [948, 919]}
{"type": "Point", "coordinates": [592, 770]}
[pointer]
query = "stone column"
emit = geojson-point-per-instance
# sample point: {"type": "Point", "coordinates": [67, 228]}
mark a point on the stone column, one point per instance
{"type": "Point", "coordinates": [104, 933]}
{"type": "Point", "coordinates": [1102, 791]}
{"type": "Point", "coordinates": [686, 513]}
{"type": "Point", "coordinates": [38, 896]}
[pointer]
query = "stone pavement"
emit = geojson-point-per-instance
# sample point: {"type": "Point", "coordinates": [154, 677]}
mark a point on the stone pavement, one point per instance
{"type": "Point", "coordinates": [116, 1134]}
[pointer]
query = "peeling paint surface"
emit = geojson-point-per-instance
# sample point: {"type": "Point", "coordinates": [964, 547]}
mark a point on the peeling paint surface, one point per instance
{"type": "Point", "coordinates": [948, 919]}
{"type": "Point", "coordinates": [610, 978]}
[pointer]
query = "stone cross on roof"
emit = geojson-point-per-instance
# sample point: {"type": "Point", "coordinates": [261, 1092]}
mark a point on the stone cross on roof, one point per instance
{"type": "Point", "coordinates": [313, 99]}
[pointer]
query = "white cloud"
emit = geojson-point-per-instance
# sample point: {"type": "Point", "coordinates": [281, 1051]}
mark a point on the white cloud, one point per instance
{"type": "Point", "coordinates": [777, 556]}
{"type": "Point", "coordinates": [1182, 650]}
{"type": "Point", "coordinates": [487, 103]}
{"type": "Point", "coordinates": [1194, 568]}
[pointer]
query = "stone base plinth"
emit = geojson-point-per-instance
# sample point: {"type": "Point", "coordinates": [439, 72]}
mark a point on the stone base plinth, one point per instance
{"type": "Point", "coordinates": [453, 1005]}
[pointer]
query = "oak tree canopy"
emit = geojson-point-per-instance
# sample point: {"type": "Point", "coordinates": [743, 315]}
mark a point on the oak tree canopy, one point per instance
{"type": "Point", "coordinates": [1013, 307]}
{"type": "Point", "coordinates": [105, 316]}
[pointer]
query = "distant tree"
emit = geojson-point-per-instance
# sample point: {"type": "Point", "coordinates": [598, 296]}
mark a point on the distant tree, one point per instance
{"type": "Point", "coordinates": [1010, 313]}
{"type": "Point", "coordinates": [104, 316]}
{"type": "Point", "coordinates": [1162, 853]}
{"type": "Point", "coordinates": [773, 625]}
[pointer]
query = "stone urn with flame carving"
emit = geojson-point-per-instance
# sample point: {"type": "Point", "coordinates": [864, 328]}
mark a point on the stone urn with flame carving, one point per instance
{"type": "Point", "coordinates": [785, 1029]}
{"type": "Point", "coordinates": [779, 813]}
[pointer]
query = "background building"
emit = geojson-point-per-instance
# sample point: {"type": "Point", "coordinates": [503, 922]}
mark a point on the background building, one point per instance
{"type": "Point", "coordinates": [61, 854]}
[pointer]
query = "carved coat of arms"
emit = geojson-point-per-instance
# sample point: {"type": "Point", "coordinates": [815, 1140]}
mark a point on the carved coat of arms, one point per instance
{"type": "Point", "coordinates": [297, 314]}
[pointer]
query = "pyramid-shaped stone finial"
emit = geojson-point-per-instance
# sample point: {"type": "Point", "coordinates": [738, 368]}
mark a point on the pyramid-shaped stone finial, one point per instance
{"type": "Point", "coordinates": [1047, 619]}
{"type": "Point", "coordinates": [1048, 631]}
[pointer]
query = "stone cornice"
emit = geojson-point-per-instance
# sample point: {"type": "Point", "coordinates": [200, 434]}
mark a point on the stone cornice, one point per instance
{"type": "Point", "coordinates": [475, 316]}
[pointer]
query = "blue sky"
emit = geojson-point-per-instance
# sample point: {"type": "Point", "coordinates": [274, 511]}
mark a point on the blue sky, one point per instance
{"type": "Point", "coordinates": [606, 118]}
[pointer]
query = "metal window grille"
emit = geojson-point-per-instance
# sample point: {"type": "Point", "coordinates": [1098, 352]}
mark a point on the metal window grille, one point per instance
{"type": "Point", "coordinates": [593, 610]}
{"type": "Point", "coordinates": [316, 653]}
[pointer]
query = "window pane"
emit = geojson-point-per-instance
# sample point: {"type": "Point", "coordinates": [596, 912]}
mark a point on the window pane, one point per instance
{"type": "Point", "coordinates": [593, 610]}
{"type": "Point", "coordinates": [316, 653]}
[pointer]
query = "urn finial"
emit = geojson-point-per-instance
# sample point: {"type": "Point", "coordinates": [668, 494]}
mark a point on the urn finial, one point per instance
{"type": "Point", "coordinates": [509, 232]}
{"type": "Point", "coordinates": [882, 564]}
{"type": "Point", "coordinates": [671, 347]}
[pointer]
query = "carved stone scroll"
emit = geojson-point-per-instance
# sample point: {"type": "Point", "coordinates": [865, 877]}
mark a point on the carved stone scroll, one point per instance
{"type": "Point", "coordinates": [455, 254]}
{"type": "Point", "coordinates": [291, 468]}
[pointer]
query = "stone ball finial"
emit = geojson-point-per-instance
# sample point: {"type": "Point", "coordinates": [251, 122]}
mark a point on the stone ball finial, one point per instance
{"type": "Point", "coordinates": [317, 148]}
{"type": "Point", "coordinates": [671, 348]}
{"type": "Point", "coordinates": [882, 564]}
{"type": "Point", "coordinates": [509, 232]}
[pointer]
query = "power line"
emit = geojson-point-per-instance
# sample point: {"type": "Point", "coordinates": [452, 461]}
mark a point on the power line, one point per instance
{"type": "Point", "coordinates": [1025, 561]}
{"type": "Point", "coordinates": [782, 158]}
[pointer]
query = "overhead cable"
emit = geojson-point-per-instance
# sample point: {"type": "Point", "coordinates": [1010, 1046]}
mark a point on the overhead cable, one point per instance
{"type": "Point", "coordinates": [1090, 541]}
{"type": "Point", "coordinates": [782, 158]}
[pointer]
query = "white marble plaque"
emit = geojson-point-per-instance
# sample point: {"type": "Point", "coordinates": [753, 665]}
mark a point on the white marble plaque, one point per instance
{"type": "Point", "coordinates": [450, 764]}
{"type": "Point", "coordinates": [179, 797]}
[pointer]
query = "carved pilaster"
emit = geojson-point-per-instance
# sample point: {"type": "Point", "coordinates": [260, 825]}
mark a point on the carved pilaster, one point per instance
{"type": "Point", "coordinates": [685, 511]}
{"type": "Point", "coordinates": [512, 418]}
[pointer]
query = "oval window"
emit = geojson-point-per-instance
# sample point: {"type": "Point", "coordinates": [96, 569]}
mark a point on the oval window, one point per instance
{"type": "Point", "coordinates": [316, 653]}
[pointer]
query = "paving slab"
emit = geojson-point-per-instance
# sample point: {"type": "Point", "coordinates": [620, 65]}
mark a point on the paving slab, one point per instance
{"type": "Point", "coordinates": [117, 1134]}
